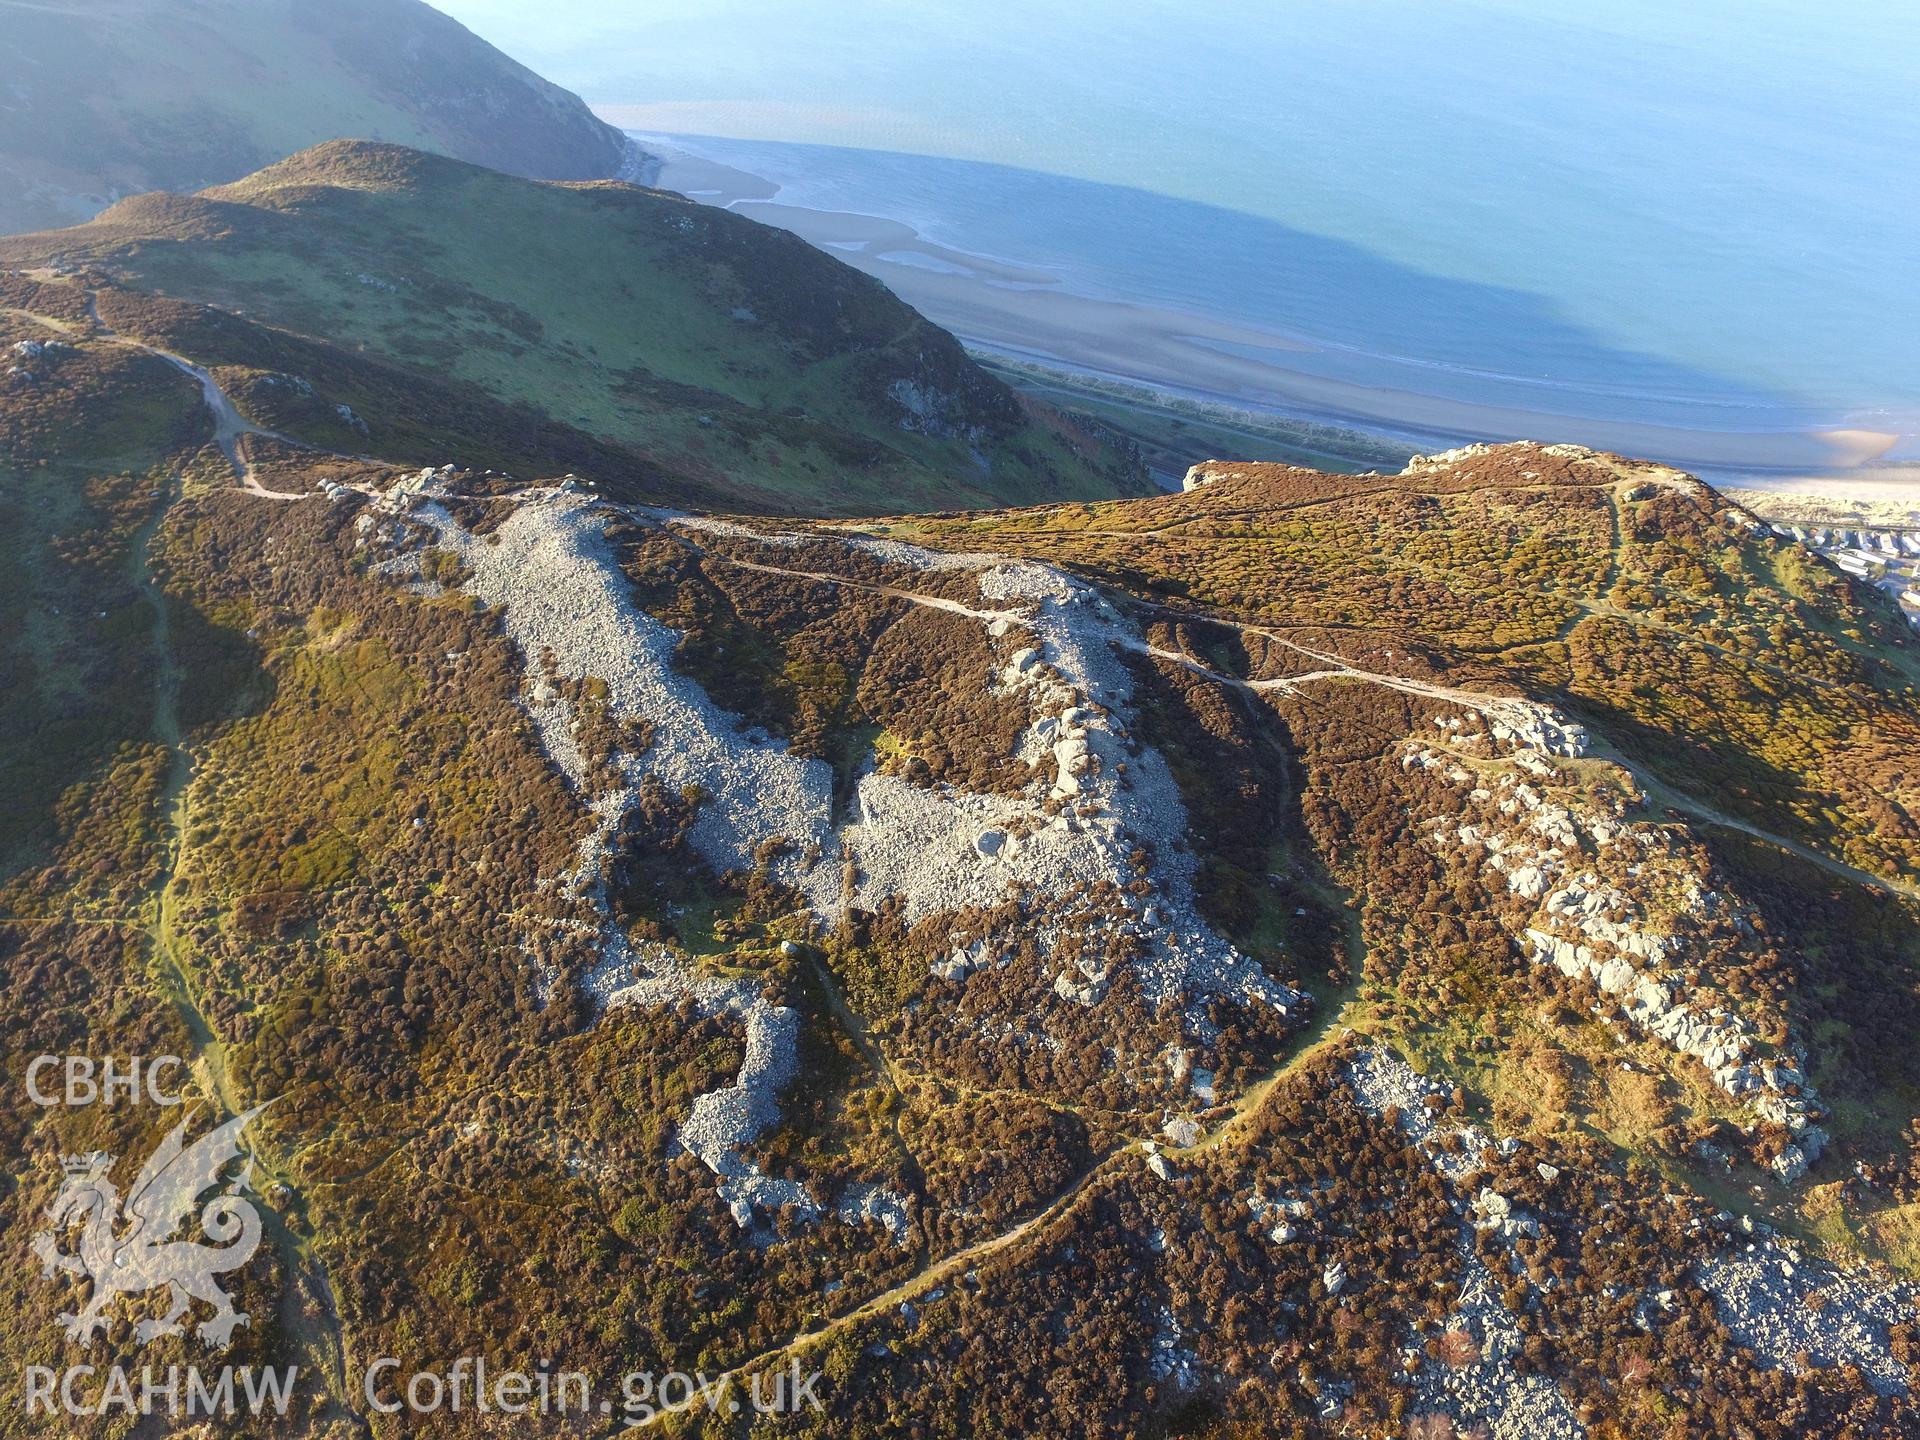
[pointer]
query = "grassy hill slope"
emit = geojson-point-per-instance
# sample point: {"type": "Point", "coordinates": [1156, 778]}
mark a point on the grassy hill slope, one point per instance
{"type": "Point", "coordinates": [280, 792]}
{"type": "Point", "coordinates": [115, 97]}
{"type": "Point", "coordinates": [730, 351]}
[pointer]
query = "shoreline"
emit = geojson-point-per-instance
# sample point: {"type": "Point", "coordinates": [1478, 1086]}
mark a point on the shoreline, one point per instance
{"type": "Point", "coordinates": [1380, 436]}
{"type": "Point", "coordinates": [1177, 430]}
{"type": "Point", "coordinates": [1897, 483]}
{"type": "Point", "coordinates": [1028, 314]}
{"type": "Point", "coordinates": [1881, 494]}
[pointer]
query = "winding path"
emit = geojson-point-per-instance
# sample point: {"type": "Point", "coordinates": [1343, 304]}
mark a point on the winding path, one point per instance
{"type": "Point", "coordinates": [1327, 1028]}
{"type": "Point", "coordinates": [231, 428]}
{"type": "Point", "coordinates": [1512, 709]}
{"type": "Point", "coordinates": [894, 592]}
{"type": "Point", "coordinates": [315, 1326]}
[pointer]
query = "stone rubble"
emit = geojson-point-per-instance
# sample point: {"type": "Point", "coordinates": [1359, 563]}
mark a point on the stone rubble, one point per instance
{"type": "Point", "coordinates": [941, 849]}
{"type": "Point", "coordinates": [1182, 1132]}
{"type": "Point", "coordinates": [565, 602]}
{"type": "Point", "coordinates": [565, 605]}
{"type": "Point", "coordinates": [1782, 1305]}
{"type": "Point", "coordinates": [1169, 1359]}
{"type": "Point", "coordinates": [861, 1203]}
{"type": "Point", "coordinates": [1765, 1292]}
{"type": "Point", "coordinates": [549, 572]}
{"type": "Point", "coordinates": [1490, 1389]}
{"type": "Point", "coordinates": [723, 1122]}
{"type": "Point", "coordinates": [1493, 1211]}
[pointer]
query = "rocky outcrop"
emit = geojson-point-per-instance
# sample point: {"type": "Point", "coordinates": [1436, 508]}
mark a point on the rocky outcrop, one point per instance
{"type": "Point", "coordinates": [1643, 476]}
{"type": "Point", "coordinates": [863, 1204]}
{"type": "Point", "coordinates": [1791, 1310]}
{"type": "Point", "coordinates": [1097, 801]}
{"type": "Point", "coordinates": [925, 410]}
{"type": "Point", "coordinates": [1209, 471]}
{"type": "Point", "coordinates": [1646, 941]}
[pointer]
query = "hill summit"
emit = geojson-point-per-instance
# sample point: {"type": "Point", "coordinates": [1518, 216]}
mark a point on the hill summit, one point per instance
{"type": "Point", "coordinates": [708, 355]}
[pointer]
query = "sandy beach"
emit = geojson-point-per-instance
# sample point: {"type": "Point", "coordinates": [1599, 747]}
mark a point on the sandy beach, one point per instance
{"type": "Point", "coordinates": [1001, 305]}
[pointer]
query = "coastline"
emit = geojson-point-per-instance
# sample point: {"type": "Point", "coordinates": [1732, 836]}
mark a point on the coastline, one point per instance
{"type": "Point", "coordinates": [1175, 430]}
{"type": "Point", "coordinates": [1026, 313]}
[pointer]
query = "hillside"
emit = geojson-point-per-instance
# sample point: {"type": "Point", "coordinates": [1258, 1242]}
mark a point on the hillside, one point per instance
{"type": "Point", "coordinates": [725, 352]}
{"type": "Point", "coordinates": [108, 98]}
{"type": "Point", "coordinates": [1430, 954]}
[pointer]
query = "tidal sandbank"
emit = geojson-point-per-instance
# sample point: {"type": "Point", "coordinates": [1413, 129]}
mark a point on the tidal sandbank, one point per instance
{"type": "Point", "coordinates": [1027, 311]}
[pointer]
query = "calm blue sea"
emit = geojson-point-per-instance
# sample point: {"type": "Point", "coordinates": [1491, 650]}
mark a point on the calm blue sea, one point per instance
{"type": "Point", "coordinates": [1701, 214]}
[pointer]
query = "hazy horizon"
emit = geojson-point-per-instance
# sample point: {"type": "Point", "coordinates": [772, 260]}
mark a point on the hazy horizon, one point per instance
{"type": "Point", "coordinates": [1719, 189]}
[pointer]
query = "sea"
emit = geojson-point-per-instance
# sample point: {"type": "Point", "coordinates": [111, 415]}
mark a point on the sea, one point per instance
{"type": "Point", "coordinates": [1700, 217]}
